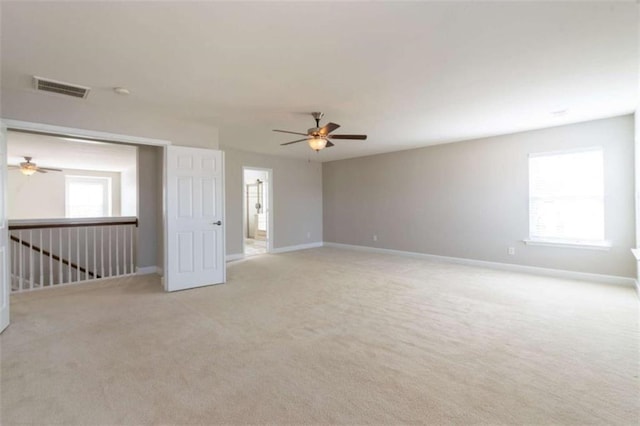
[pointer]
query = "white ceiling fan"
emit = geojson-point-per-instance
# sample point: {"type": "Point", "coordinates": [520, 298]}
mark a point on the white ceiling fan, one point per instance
{"type": "Point", "coordinates": [28, 168]}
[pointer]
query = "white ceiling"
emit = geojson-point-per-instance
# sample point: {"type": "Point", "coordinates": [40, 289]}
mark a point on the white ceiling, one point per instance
{"type": "Point", "coordinates": [406, 73]}
{"type": "Point", "coordinates": [49, 151]}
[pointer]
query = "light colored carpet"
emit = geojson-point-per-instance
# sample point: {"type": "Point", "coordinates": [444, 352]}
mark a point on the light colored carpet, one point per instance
{"type": "Point", "coordinates": [326, 336]}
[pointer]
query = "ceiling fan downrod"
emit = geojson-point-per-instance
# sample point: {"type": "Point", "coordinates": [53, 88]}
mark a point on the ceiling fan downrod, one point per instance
{"type": "Point", "coordinates": [317, 116]}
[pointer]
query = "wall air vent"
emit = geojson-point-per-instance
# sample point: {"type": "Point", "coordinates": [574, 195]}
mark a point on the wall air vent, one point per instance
{"type": "Point", "coordinates": [59, 87]}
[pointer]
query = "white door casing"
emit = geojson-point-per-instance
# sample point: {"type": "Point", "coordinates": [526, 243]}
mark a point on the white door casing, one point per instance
{"type": "Point", "coordinates": [195, 247]}
{"type": "Point", "coordinates": [5, 281]}
{"type": "Point", "coordinates": [269, 204]}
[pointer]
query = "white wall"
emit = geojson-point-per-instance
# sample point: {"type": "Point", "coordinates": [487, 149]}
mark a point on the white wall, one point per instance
{"type": "Point", "coordinates": [297, 198]}
{"type": "Point", "coordinates": [250, 176]}
{"type": "Point", "coordinates": [470, 199]}
{"type": "Point", "coordinates": [42, 195]}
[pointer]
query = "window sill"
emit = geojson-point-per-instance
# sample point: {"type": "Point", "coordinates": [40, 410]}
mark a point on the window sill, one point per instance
{"type": "Point", "coordinates": [602, 245]}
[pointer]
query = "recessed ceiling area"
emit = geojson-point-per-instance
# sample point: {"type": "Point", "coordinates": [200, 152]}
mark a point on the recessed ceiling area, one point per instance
{"type": "Point", "coordinates": [58, 152]}
{"type": "Point", "coordinates": [407, 74]}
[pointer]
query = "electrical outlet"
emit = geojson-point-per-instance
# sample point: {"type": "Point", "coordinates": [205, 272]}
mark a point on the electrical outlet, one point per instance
{"type": "Point", "coordinates": [308, 235]}
{"type": "Point", "coordinates": [512, 251]}
{"type": "Point", "coordinates": [375, 238]}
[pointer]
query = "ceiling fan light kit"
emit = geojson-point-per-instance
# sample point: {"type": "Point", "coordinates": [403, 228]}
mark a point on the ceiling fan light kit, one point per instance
{"type": "Point", "coordinates": [28, 168]}
{"type": "Point", "coordinates": [317, 143]}
{"type": "Point", "coordinates": [319, 137]}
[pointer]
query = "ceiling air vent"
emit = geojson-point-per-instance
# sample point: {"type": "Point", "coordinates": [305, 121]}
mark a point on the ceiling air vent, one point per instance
{"type": "Point", "coordinates": [52, 86]}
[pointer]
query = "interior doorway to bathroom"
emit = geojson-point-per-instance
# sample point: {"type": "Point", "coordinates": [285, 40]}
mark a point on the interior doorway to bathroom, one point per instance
{"type": "Point", "coordinates": [257, 221]}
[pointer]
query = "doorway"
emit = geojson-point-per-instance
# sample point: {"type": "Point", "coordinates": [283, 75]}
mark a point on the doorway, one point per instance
{"type": "Point", "coordinates": [256, 218]}
{"type": "Point", "coordinates": [81, 239]}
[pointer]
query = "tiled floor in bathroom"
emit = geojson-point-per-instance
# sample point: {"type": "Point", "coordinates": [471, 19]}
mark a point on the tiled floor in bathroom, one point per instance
{"type": "Point", "coordinates": [253, 247]}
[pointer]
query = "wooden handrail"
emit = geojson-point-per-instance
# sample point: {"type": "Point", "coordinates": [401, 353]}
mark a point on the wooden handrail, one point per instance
{"type": "Point", "coordinates": [54, 256]}
{"type": "Point", "coordinates": [70, 225]}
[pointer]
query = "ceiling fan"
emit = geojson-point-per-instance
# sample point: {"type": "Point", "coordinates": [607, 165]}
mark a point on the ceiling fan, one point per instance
{"type": "Point", "coordinates": [28, 168]}
{"type": "Point", "coordinates": [319, 137]}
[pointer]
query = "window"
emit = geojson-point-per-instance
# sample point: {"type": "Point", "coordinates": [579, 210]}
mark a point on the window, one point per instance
{"type": "Point", "coordinates": [566, 197]}
{"type": "Point", "coordinates": [88, 196]}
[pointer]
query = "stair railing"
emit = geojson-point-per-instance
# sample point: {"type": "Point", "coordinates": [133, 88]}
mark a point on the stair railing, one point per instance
{"type": "Point", "coordinates": [63, 251]}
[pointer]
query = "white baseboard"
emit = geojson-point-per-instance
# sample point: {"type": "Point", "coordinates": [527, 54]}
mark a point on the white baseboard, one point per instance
{"type": "Point", "coordinates": [534, 270]}
{"type": "Point", "coordinates": [297, 247]}
{"type": "Point", "coordinates": [235, 256]}
{"type": "Point", "coordinates": [146, 270]}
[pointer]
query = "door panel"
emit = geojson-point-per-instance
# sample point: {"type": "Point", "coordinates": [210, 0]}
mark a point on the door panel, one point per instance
{"type": "Point", "coordinates": [208, 197]}
{"type": "Point", "coordinates": [185, 252]}
{"type": "Point", "coordinates": [185, 197]}
{"type": "Point", "coordinates": [209, 240]}
{"type": "Point", "coordinates": [195, 211]}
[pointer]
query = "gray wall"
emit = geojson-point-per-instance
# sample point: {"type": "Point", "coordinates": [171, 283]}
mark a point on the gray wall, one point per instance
{"type": "Point", "coordinates": [297, 198]}
{"type": "Point", "coordinates": [470, 199]}
{"type": "Point", "coordinates": [148, 204]}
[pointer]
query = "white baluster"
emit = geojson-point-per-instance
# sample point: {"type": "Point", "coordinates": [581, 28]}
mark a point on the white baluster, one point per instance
{"type": "Point", "coordinates": [95, 265]}
{"type": "Point", "coordinates": [86, 253]}
{"type": "Point", "coordinates": [117, 251]}
{"type": "Point", "coordinates": [110, 263]}
{"type": "Point", "coordinates": [30, 259]}
{"type": "Point", "coordinates": [50, 257]}
{"type": "Point", "coordinates": [41, 261]}
{"type": "Point", "coordinates": [78, 254]}
{"type": "Point", "coordinates": [14, 257]}
{"type": "Point", "coordinates": [60, 264]}
{"type": "Point", "coordinates": [102, 251]}
{"type": "Point", "coordinates": [131, 249]}
{"type": "Point", "coordinates": [21, 261]}
{"type": "Point", "coordinates": [69, 274]}
{"type": "Point", "coordinates": [124, 250]}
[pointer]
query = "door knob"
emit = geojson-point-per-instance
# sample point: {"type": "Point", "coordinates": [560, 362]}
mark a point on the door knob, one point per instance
{"type": "Point", "coordinates": [217, 223]}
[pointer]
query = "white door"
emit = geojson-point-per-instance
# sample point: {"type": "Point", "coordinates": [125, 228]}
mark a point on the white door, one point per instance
{"type": "Point", "coordinates": [5, 282]}
{"type": "Point", "coordinates": [195, 252]}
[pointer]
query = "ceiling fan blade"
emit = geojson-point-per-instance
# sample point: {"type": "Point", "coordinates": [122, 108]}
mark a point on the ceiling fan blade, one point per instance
{"type": "Point", "coordinates": [287, 131]}
{"type": "Point", "coordinates": [329, 144]}
{"type": "Point", "coordinates": [328, 128]}
{"type": "Point", "coordinates": [49, 169]}
{"type": "Point", "coordinates": [39, 170]}
{"type": "Point", "coordinates": [289, 143]}
{"type": "Point", "coordinates": [360, 137]}
{"type": "Point", "coordinates": [11, 166]}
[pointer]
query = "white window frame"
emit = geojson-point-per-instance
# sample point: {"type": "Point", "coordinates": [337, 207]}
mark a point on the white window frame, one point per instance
{"type": "Point", "coordinates": [560, 242]}
{"type": "Point", "coordinates": [105, 180]}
